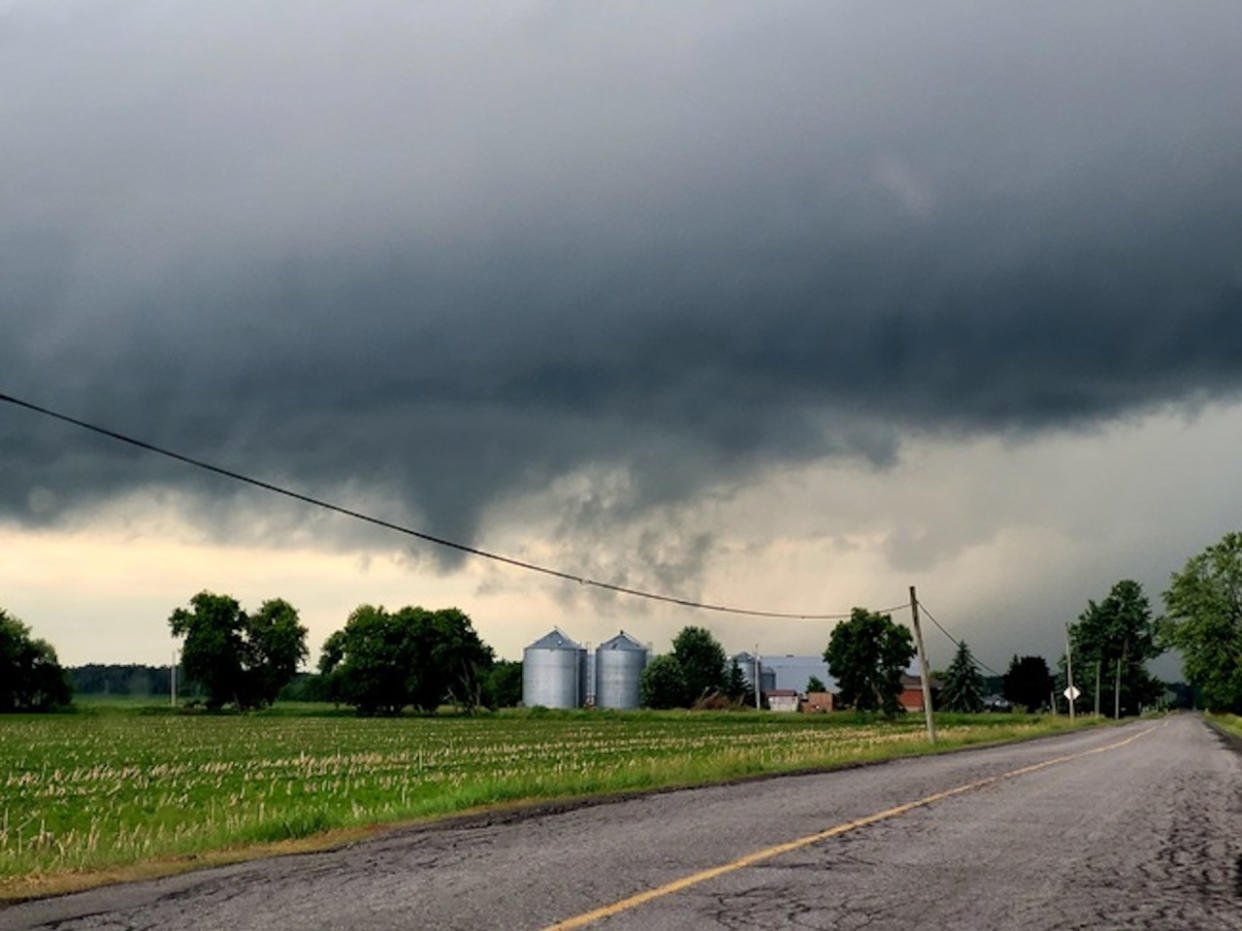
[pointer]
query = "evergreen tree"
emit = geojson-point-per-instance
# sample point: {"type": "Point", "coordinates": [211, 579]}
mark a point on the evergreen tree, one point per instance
{"type": "Point", "coordinates": [962, 688]}
{"type": "Point", "coordinates": [738, 688]}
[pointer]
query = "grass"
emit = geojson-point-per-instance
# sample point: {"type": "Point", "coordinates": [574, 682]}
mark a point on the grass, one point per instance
{"type": "Point", "coordinates": [117, 786]}
{"type": "Point", "coordinates": [1230, 723]}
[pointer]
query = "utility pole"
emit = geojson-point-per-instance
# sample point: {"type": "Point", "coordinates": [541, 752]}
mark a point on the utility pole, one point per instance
{"type": "Point", "coordinates": [1069, 672]}
{"type": "Point", "coordinates": [172, 680]}
{"type": "Point", "coordinates": [924, 674]}
{"type": "Point", "coordinates": [1117, 684]}
{"type": "Point", "coordinates": [1097, 688]}
{"type": "Point", "coordinates": [758, 674]}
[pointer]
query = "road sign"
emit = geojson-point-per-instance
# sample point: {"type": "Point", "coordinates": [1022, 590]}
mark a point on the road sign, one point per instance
{"type": "Point", "coordinates": [1072, 693]}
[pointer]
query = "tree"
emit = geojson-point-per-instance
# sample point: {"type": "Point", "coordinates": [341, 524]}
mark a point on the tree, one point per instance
{"type": "Point", "coordinates": [1117, 634]}
{"type": "Point", "coordinates": [381, 662]}
{"type": "Point", "coordinates": [1028, 682]}
{"type": "Point", "coordinates": [1203, 620]}
{"type": "Point", "coordinates": [815, 684]}
{"type": "Point", "coordinates": [237, 658]}
{"type": "Point", "coordinates": [962, 685]}
{"type": "Point", "coordinates": [737, 688]}
{"type": "Point", "coordinates": [867, 655]}
{"type": "Point", "coordinates": [31, 678]}
{"type": "Point", "coordinates": [702, 661]}
{"type": "Point", "coordinates": [663, 684]}
{"type": "Point", "coordinates": [214, 647]}
{"type": "Point", "coordinates": [275, 647]}
{"type": "Point", "coordinates": [454, 665]}
{"type": "Point", "coordinates": [502, 687]}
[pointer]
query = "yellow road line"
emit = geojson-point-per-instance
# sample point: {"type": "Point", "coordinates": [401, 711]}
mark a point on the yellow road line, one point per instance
{"type": "Point", "coordinates": [768, 853]}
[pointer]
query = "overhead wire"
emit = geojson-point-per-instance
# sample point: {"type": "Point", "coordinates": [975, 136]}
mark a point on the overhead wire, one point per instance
{"type": "Point", "coordinates": [931, 617]}
{"type": "Point", "coordinates": [427, 537]}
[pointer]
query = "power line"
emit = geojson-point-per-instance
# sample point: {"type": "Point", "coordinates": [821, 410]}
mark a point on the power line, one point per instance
{"type": "Point", "coordinates": [978, 662]}
{"type": "Point", "coordinates": [418, 534]}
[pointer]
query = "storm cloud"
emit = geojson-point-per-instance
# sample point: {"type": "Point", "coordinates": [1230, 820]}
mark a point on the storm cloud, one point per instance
{"type": "Point", "coordinates": [438, 258]}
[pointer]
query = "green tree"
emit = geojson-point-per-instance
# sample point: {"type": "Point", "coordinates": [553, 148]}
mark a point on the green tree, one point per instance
{"type": "Point", "coordinates": [663, 684]}
{"type": "Point", "coordinates": [867, 655]}
{"type": "Point", "coordinates": [1116, 633]}
{"type": "Point", "coordinates": [702, 661]}
{"type": "Point", "coordinates": [214, 647]}
{"type": "Point", "coordinates": [737, 688]}
{"type": "Point", "coordinates": [815, 684]}
{"type": "Point", "coordinates": [369, 663]}
{"type": "Point", "coordinates": [456, 663]}
{"type": "Point", "coordinates": [1028, 682]}
{"type": "Point", "coordinates": [502, 687]}
{"type": "Point", "coordinates": [381, 662]}
{"type": "Point", "coordinates": [234, 657]}
{"type": "Point", "coordinates": [962, 686]}
{"type": "Point", "coordinates": [31, 678]}
{"type": "Point", "coordinates": [275, 647]}
{"type": "Point", "coordinates": [1203, 620]}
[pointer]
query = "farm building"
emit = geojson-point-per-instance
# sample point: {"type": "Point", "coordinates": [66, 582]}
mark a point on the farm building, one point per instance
{"type": "Point", "coordinates": [787, 671]}
{"type": "Point", "coordinates": [554, 672]}
{"type": "Point", "coordinates": [817, 702]}
{"type": "Point", "coordinates": [911, 697]}
{"type": "Point", "coordinates": [747, 662]}
{"type": "Point", "coordinates": [619, 665]}
{"type": "Point", "coordinates": [782, 699]}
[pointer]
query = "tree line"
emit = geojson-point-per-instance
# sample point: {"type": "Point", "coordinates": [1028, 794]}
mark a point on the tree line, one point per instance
{"type": "Point", "coordinates": [383, 661]}
{"type": "Point", "coordinates": [380, 662]}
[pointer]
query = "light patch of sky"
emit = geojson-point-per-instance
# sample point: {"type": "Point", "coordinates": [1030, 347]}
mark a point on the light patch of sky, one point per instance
{"type": "Point", "coordinates": [1006, 541]}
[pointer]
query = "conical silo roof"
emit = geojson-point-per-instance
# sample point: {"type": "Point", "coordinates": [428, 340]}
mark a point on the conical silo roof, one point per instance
{"type": "Point", "coordinates": [555, 639]}
{"type": "Point", "coordinates": [623, 641]}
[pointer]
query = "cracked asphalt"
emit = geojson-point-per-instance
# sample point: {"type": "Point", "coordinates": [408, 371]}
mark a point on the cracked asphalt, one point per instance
{"type": "Point", "coordinates": [1147, 835]}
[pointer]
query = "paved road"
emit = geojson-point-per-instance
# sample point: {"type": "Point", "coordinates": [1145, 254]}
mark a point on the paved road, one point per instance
{"type": "Point", "coordinates": [1145, 834]}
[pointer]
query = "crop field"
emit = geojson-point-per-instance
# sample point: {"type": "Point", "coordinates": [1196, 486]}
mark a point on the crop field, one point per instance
{"type": "Point", "coordinates": [95, 790]}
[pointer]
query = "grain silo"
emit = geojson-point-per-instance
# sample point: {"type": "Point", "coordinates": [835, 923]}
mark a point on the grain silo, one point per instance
{"type": "Point", "coordinates": [552, 672]}
{"type": "Point", "coordinates": [619, 665]}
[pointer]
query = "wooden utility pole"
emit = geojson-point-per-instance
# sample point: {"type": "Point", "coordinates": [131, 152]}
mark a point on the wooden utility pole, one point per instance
{"type": "Point", "coordinates": [1097, 688]}
{"type": "Point", "coordinates": [1069, 672]}
{"type": "Point", "coordinates": [172, 680]}
{"type": "Point", "coordinates": [758, 678]}
{"type": "Point", "coordinates": [1117, 683]}
{"type": "Point", "coordinates": [924, 674]}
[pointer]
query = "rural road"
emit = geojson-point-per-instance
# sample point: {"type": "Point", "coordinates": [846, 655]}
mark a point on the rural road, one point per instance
{"type": "Point", "coordinates": [1131, 827]}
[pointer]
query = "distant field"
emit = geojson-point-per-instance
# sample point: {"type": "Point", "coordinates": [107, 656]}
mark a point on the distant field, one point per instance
{"type": "Point", "coordinates": [116, 785]}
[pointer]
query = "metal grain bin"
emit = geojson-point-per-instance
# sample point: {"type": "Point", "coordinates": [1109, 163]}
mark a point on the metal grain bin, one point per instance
{"type": "Point", "coordinates": [552, 672]}
{"type": "Point", "coordinates": [619, 665]}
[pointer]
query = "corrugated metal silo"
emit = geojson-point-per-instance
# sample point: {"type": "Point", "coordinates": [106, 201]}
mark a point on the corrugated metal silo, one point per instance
{"type": "Point", "coordinates": [619, 665]}
{"type": "Point", "coordinates": [552, 672]}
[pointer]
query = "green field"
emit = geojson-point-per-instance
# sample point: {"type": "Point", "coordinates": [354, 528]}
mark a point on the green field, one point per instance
{"type": "Point", "coordinates": [113, 786]}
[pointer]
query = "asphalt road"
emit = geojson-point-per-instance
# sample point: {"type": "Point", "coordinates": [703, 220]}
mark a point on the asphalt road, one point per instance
{"type": "Point", "coordinates": [1132, 827]}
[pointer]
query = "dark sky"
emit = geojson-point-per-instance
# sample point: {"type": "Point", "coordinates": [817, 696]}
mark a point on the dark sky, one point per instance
{"type": "Point", "coordinates": [435, 259]}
